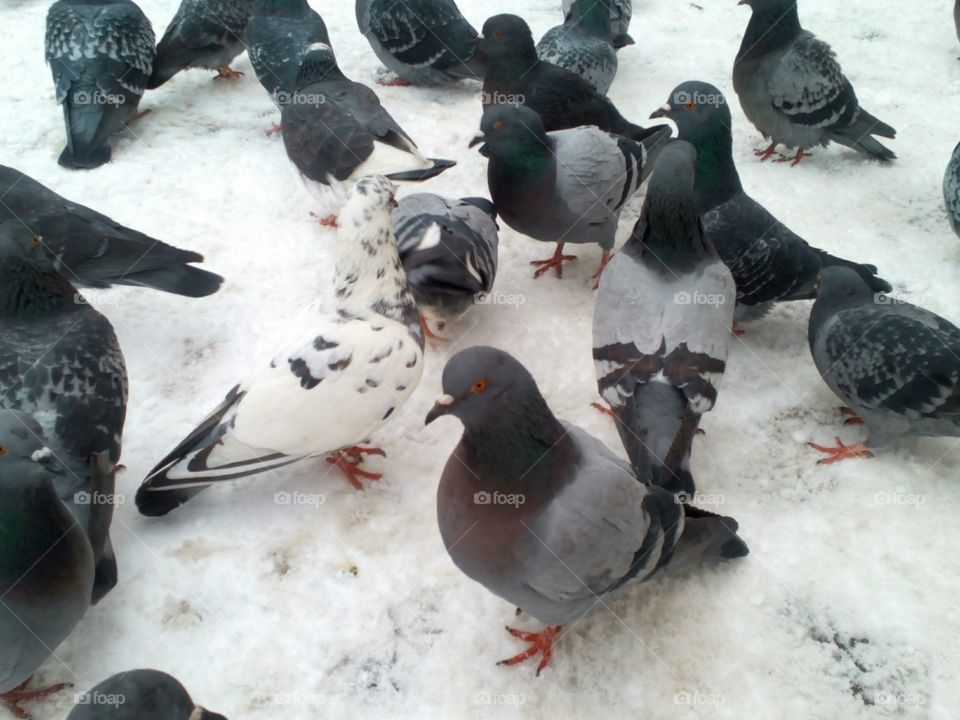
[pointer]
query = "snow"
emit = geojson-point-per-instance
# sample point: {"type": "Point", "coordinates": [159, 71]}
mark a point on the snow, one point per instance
{"type": "Point", "coordinates": [344, 604]}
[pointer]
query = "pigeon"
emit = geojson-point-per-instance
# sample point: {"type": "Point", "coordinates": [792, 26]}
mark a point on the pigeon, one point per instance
{"type": "Point", "coordinates": [425, 42]}
{"type": "Point", "coordinates": [46, 567]}
{"type": "Point", "coordinates": [896, 365]}
{"type": "Point", "coordinates": [203, 34]}
{"type": "Point", "coordinates": [279, 35]}
{"type": "Point", "coordinates": [337, 131]}
{"type": "Point", "coordinates": [956, 17]}
{"type": "Point", "coordinates": [542, 513]}
{"type": "Point", "coordinates": [792, 88]}
{"type": "Point", "coordinates": [661, 325]}
{"type": "Point", "coordinates": [139, 695]}
{"type": "Point", "coordinates": [562, 99]}
{"type": "Point", "coordinates": [769, 262]}
{"type": "Point", "coordinates": [951, 190]}
{"type": "Point", "coordinates": [561, 187]}
{"type": "Point", "coordinates": [60, 362]}
{"type": "Point", "coordinates": [93, 250]}
{"type": "Point", "coordinates": [101, 54]}
{"type": "Point", "coordinates": [583, 45]}
{"type": "Point", "coordinates": [448, 249]}
{"type": "Point", "coordinates": [348, 367]}
{"type": "Point", "coordinates": [619, 23]}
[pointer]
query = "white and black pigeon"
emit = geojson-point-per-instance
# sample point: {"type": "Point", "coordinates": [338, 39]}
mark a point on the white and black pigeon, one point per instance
{"type": "Point", "coordinates": [449, 250]}
{"type": "Point", "coordinates": [770, 263]}
{"type": "Point", "coordinates": [583, 44]}
{"type": "Point", "coordinates": [951, 190]}
{"type": "Point", "coordinates": [895, 365]}
{"type": "Point", "coordinates": [337, 131]}
{"type": "Point", "coordinates": [203, 34]}
{"type": "Point", "coordinates": [543, 514]}
{"type": "Point", "coordinates": [146, 695]}
{"type": "Point", "coordinates": [60, 362]}
{"type": "Point", "coordinates": [425, 42]}
{"type": "Point", "coordinates": [279, 35]}
{"type": "Point", "coordinates": [619, 25]}
{"type": "Point", "coordinates": [567, 186]}
{"type": "Point", "coordinates": [101, 54]}
{"type": "Point", "coordinates": [94, 250]}
{"type": "Point", "coordinates": [46, 566]}
{"type": "Point", "coordinates": [792, 88]}
{"type": "Point", "coordinates": [360, 354]}
{"type": "Point", "coordinates": [661, 325]}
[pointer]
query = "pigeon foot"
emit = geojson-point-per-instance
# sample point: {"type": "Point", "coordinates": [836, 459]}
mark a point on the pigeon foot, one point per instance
{"type": "Point", "coordinates": [227, 73]}
{"type": "Point", "coordinates": [540, 642]}
{"type": "Point", "coordinates": [841, 452]}
{"type": "Point", "coordinates": [349, 460]}
{"type": "Point", "coordinates": [555, 262]}
{"type": "Point", "coordinates": [396, 82]}
{"type": "Point", "coordinates": [329, 221]}
{"type": "Point", "coordinates": [604, 260]}
{"type": "Point", "coordinates": [19, 695]}
{"type": "Point", "coordinates": [795, 159]}
{"type": "Point", "coordinates": [766, 154]}
{"type": "Point", "coordinates": [275, 129]}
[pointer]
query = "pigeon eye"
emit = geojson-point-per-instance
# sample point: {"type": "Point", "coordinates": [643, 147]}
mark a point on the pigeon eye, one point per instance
{"type": "Point", "coordinates": [35, 240]}
{"type": "Point", "coordinates": [479, 386]}
{"type": "Point", "coordinates": [499, 125]}
{"type": "Point", "coordinates": [3, 450]}
{"type": "Point", "coordinates": [497, 33]}
{"type": "Point", "coordinates": [690, 105]}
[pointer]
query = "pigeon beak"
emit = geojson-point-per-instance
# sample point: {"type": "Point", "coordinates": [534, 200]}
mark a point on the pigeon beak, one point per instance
{"type": "Point", "coordinates": [665, 111]}
{"type": "Point", "coordinates": [443, 406]}
{"type": "Point", "coordinates": [478, 139]}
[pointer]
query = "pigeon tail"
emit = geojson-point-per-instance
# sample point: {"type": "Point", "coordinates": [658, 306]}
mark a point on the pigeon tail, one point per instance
{"type": "Point", "coordinates": [707, 536]}
{"type": "Point", "coordinates": [182, 280]}
{"type": "Point", "coordinates": [172, 57]}
{"type": "Point", "coordinates": [105, 574]}
{"type": "Point", "coordinates": [85, 148]}
{"type": "Point", "coordinates": [621, 41]}
{"type": "Point", "coordinates": [859, 136]}
{"type": "Point", "coordinates": [435, 169]}
{"type": "Point", "coordinates": [867, 272]}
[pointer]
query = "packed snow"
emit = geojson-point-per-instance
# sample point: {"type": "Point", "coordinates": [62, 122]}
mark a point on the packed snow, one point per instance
{"type": "Point", "coordinates": [293, 595]}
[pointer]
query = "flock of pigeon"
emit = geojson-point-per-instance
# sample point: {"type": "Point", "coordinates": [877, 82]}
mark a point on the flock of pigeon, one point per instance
{"type": "Point", "coordinates": [537, 510]}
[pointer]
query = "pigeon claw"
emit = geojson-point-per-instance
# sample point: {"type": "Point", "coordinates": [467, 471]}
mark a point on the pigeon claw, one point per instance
{"type": "Point", "coordinates": [841, 452]}
{"type": "Point", "coordinates": [227, 73]}
{"type": "Point", "coordinates": [602, 409]}
{"type": "Point", "coordinates": [540, 642]}
{"type": "Point", "coordinates": [349, 460]}
{"type": "Point", "coordinates": [766, 154]}
{"type": "Point", "coordinates": [395, 82]}
{"type": "Point", "coordinates": [329, 221]}
{"type": "Point", "coordinates": [556, 262]}
{"type": "Point", "coordinates": [14, 699]}
{"type": "Point", "coordinates": [428, 333]}
{"type": "Point", "coordinates": [275, 129]}
{"type": "Point", "coordinates": [795, 159]}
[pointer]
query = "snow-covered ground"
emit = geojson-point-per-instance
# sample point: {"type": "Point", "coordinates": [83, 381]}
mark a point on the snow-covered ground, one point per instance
{"type": "Point", "coordinates": [346, 605]}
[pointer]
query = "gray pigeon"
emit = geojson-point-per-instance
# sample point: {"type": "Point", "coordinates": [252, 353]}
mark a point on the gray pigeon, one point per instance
{"type": "Point", "coordinates": [561, 187]}
{"type": "Point", "coordinates": [792, 88]}
{"type": "Point", "coordinates": [346, 367]}
{"type": "Point", "coordinates": [101, 54]}
{"type": "Point", "coordinates": [661, 325]}
{"type": "Point", "coordinates": [337, 132]}
{"type": "Point", "coordinates": [95, 251]}
{"type": "Point", "coordinates": [60, 361]}
{"type": "Point", "coordinates": [203, 34]}
{"type": "Point", "coordinates": [583, 44]}
{"type": "Point", "coordinates": [46, 566]}
{"type": "Point", "coordinates": [542, 513]}
{"type": "Point", "coordinates": [139, 695]}
{"type": "Point", "coordinates": [279, 35]}
{"type": "Point", "coordinates": [425, 42]}
{"type": "Point", "coordinates": [956, 17]}
{"type": "Point", "coordinates": [769, 262]}
{"type": "Point", "coordinates": [448, 249]}
{"type": "Point", "coordinates": [619, 24]}
{"type": "Point", "coordinates": [951, 190]}
{"type": "Point", "coordinates": [896, 366]}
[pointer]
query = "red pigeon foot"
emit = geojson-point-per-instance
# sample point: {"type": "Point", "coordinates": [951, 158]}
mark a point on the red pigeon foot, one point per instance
{"type": "Point", "coordinates": [428, 333]}
{"type": "Point", "coordinates": [227, 73]}
{"type": "Point", "coordinates": [329, 221]}
{"type": "Point", "coordinates": [766, 154]}
{"type": "Point", "coordinates": [735, 331]}
{"type": "Point", "coordinates": [602, 409]}
{"type": "Point", "coordinates": [15, 698]}
{"type": "Point", "coordinates": [604, 260]}
{"type": "Point", "coordinates": [852, 417]}
{"type": "Point", "coordinates": [841, 452]}
{"type": "Point", "coordinates": [349, 460]}
{"type": "Point", "coordinates": [397, 82]}
{"type": "Point", "coordinates": [275, 129]}
{"type": "Point", "coordinates": [795, 159]}
{"type": "Point", "coordinates": [555, 262]}
{"type": "Point", "coordinates": [541, 642]}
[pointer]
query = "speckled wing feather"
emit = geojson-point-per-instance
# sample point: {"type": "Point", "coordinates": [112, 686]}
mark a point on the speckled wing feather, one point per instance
{"type": "Point", "coordinates": [951, 189]}
{"type": "Point", "coordinates": [277, 45]}
{"type": "Point", "coordinates": [422, 33]}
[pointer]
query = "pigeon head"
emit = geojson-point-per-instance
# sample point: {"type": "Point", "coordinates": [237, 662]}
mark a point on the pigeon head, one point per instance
{"type": "Point", "coordinates": [511, 131]}
{"type": "Point", "coordinates": [28, 279]}
{"type": "Point", "coordinates": [591, 15]}
{"type": "Point", "coordinates": [482, 384]}
{"type": "Point", "coordinates": [772, 23]}
{"type": "Point", "coordinates": [506, 36]}
{"type": "Point", "coordinates": [838, 284]}
{"type": "Point", "coordinates": [318, 64]}
{"type": "Point", "coordinates": [698, 109]}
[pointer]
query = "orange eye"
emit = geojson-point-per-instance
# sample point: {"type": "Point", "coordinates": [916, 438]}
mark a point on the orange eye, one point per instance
{"type": "Point", "coordinates": [690, 105]}
{"type": "Point", "coordinates": [497, 33]}
{"type": "Point", "coordinates": [36, 240]}
{"type": "Point", "coordinates": [3, 450]}
{"type": "Point", "coordinates": [479, 386]}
